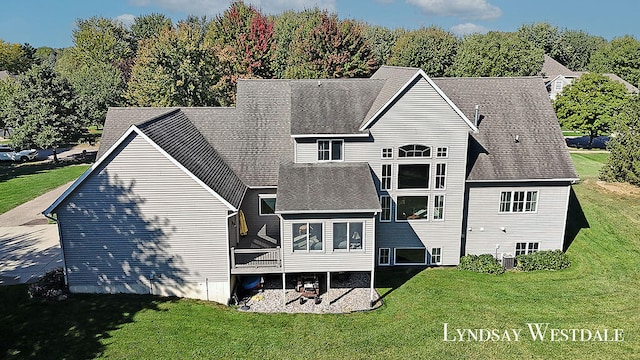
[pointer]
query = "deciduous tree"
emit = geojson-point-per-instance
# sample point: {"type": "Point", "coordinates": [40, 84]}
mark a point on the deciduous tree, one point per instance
{"type": "Point", "coordinates": [542, 35]}
{"type": "Point", "coordinates": [621, 56]}
{"type": "Point", "coordinates": [431, 49]}
{"type": "Point", "coordinates": [497, 54]}
{"type": "Point", "coordinates": [13, 58]}
{"type": "Point", "coordinates": [382, 40]}
{"type": "Point", "coordinates": [43, 111]}
{"type": "Point", "coordinates": [573, 48]}
{"type": "Point", "coordinates": [623, 164]}
{"type": "Point", "coordinates": [176, 68]}
{"type": "Point", "coordinates": [590, 103]}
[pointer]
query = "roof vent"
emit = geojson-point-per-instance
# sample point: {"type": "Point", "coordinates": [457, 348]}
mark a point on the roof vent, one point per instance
{"type": "Point", "coordinates": [517, 139]}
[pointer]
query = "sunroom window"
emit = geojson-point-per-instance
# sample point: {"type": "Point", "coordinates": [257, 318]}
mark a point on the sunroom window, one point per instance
{"type": "Point", "coordinates": [307, 237]}
{"type": "Point", "coordinates": [348, 236]}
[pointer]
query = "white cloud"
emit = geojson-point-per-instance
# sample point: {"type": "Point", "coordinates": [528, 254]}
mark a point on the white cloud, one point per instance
{"type": "Point", "coordinates": [466, 9]}
{"type": "Point", "coordinates": [468, 28]}
{"type": "Point", "coordinates": [213, 7]}
{"type": "Point", "coordinates": [126, 19]}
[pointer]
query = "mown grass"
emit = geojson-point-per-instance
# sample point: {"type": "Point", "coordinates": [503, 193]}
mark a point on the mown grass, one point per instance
{"type": "Point", "coordinates": [24, 182]}
{"type": "Point", "coordinates": [600, 290]}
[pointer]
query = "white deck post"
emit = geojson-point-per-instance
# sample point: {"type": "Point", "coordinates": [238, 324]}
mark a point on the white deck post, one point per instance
{"type": "Point", "coordinates": [372, 286]}
{"type": "Point", "coordinates": [284, 291]}
{"type": "Point", "coordinates": [328, 280]}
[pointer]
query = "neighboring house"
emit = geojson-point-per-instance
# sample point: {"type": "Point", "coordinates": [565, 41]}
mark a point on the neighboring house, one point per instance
{"type": "Point", "coordinates": [5, 75]}
{"type": "Point", "coordinates": [557, 76]}
{"type": "Point", "coordinates": [339, 175]}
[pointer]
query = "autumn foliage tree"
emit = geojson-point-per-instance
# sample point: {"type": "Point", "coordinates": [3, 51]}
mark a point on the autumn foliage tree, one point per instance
{"type": "Point", "coordinates": [331, 49]}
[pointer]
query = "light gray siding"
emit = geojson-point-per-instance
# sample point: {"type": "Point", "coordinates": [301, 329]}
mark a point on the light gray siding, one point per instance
{"type": "Point", "coordinates": [140, 224]}
{"type": "Point", "coordinates": [485, 223]}
{"type": "Point", "coordinates": [419, 116]}
{"type": "Point", "coordinates": [328, 259]}
{"type": "Point", "coordinates": [251, 208]}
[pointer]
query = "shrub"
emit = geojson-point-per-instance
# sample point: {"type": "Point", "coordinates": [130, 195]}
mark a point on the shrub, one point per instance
{"type": "Point", "coordinates": [543, 260]}
{"type": "Point", "coordinates": [50, 286]}
{"type": "Point", "coordinates": [484, 263]}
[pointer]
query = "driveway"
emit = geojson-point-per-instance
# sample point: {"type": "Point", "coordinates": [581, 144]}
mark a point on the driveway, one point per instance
{"type": "Point", "coordinates": [29, 246]}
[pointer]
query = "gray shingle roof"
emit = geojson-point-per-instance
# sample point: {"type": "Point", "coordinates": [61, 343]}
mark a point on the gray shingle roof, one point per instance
{"type": "Point", "coordinates": [630, 88]}
{"type": "Point", "coordinates": [510, 108]}
{"type": "Point", "coordinates": [318, 106]}
{"type": "Point", "coordinates": [326, 187]}
{"type": "Point", "coordinates": [176, 135]}
{"type": "Point", "coordinates": [551, 68]}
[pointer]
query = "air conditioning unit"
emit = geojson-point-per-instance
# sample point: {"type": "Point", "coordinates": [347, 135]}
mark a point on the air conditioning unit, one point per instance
{"type": "Point", "coordinates": [508, 261]}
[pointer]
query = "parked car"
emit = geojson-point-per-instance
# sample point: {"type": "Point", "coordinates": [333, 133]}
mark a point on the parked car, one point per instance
{"type": "Point", "coordinates": [7, 153]}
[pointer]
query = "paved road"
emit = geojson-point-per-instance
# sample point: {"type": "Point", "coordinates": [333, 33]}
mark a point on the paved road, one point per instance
{"type": "Point", "coordinates": [29, 245]}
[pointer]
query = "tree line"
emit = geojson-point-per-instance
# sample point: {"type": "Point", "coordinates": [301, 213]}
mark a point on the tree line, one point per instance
{"type": "Point", "coordinates": [197, 62]}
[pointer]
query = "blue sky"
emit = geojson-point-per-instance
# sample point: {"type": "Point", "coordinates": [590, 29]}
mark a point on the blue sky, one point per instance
{"type": "Point", "coordinates": [51, 22]}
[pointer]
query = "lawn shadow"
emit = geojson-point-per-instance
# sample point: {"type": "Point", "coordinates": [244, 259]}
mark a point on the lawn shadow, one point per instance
{"type": "Point", "coordinates": [77, 328]}
{"type": "Point", "coordinates": [576, 220]}
{"type": "Point", "coordinates": [393, 278]}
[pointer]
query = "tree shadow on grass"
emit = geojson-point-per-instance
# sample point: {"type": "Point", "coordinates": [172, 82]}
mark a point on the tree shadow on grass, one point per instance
{"type": "Point", "coordinates": [576, 220]}
{"type": "Point", "coordinates": [73, 329]}
{"type": "Point", "coordinates": [392, 278]}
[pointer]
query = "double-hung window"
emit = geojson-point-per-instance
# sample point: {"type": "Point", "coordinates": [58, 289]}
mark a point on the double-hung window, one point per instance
{"type": "Point", "coordinates": [438, 207]}
{"type": "Point", "coordinates": [441, 175]}
{"type": "Point", "coordinates": [518, 201]}
{"type": "Point", "coordinates": [385, 204]}
{"type": "Point", "coordinates": [385, 181]}
{"type": "Point", "coordinates": [330, 150]}
{"type": "Point", "coordinates": [436, 256]}
{"type": "Point", "coordinates": [384, 256]}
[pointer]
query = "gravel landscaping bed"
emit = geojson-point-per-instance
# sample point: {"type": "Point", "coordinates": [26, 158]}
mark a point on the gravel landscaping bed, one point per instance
{"type": "Point", "coordinates": [348, 293]}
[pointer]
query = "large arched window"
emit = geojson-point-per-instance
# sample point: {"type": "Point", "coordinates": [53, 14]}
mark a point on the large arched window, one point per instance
{"type": "Point", "coordinates": [414, 150]}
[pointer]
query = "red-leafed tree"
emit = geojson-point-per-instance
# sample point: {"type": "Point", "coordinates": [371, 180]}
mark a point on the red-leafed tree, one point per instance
{"type": "Point", "coordinates": [330, 49]}
{"type": "Point", "coordinates": [243, 39]}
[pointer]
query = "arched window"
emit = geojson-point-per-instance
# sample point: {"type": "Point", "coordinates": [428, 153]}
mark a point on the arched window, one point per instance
{"type": "Point", "coordinates": [414, 150]}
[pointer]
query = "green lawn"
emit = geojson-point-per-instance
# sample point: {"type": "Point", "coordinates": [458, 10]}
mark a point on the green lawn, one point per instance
{"type": "Point", "coordinates": [21, 183]}
{"type": "Point", "coordinates": [600, 290]}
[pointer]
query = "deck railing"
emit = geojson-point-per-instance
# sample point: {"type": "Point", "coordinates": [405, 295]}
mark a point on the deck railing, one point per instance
{"type": "Point", "coordinates": [255, 258]}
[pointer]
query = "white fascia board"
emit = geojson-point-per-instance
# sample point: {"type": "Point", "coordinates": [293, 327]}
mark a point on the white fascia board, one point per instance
{"type": "Point", "coordinates": [131, 130]}
{"type": "Point", "coordinates": [524, 180]}
{"type": "Point", "coordinates": [421, 73]}
{"type": "Point", "coordinates": [342, 211]}
{"type": "Point", "coordinates": [330, 136]}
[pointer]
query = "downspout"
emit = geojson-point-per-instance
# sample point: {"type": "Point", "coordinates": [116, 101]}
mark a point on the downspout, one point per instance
{"type": "Point", "coordinates": [64, 261]}
{"type": "Point", "coordinates": [226, 225]}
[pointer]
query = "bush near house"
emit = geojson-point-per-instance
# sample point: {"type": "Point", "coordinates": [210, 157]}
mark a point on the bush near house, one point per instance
{"type": "Point", "coordinates": [50, 287]}
{"type": "Point", "coordinates": [484, 263]}
{"type": "Point", "coordinates": [543, 260]}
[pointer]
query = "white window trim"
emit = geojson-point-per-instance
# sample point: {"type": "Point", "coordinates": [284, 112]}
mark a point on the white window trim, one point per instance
{"type": "Point", "coordinates": [415, 157]}
{"type": "Point", "coordinates": [431, 257]}
{"type": "Point", "coordinates": [265, 196]}
{"type": "Point", "coordinates": [526, 247]}
{"type": "Point", "coordinates": [408, 220]}
{"type": "Point", "coordinates": [382, 153]}
{"type": "Point", "coordinates": [349, 249]}
{"type": "Point", "coordinates": [390, 209]}
{"type": "Point", "coordinates": [395, 252]}
{"type": "Point", "coordinates": [388, 263]}
{"type": "Point", "coordinates": [429, 182]}
{"type": "Point", "coordinates": [444, 204]}
{"type": "Point", "coordinates": [308, 250]}
{"type": "Point", "coordinates": [382, 177]}
{"type": "Point", "coordinates": [331, 141]}
{"type": "Point", "coordinates": [446, 152]}
{"type": "Point", "coordinates": [558, 84]}
{"type": "Point", "coordinates": [435, 176]}
{"type": "Point", "coordinates": [524, 211]}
